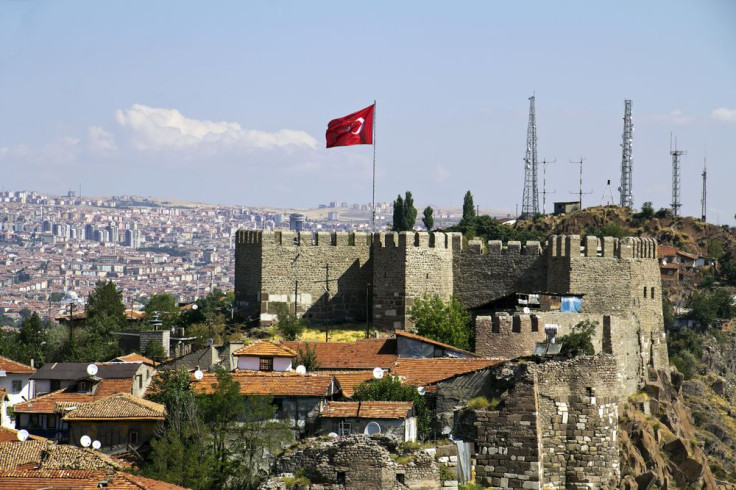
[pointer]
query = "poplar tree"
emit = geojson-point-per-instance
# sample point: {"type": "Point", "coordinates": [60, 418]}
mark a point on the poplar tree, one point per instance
{"type": "Point", "coordinates": [468, 207]}
{"type": "Point", "coordinates": [428, 218]}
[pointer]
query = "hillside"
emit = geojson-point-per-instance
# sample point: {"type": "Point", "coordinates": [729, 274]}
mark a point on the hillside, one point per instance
{"type": "Point", "coordinates": [709, 390]}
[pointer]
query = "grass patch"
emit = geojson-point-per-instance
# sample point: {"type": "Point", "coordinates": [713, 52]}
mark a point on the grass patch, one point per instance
{"type": "Point", "coordinates": [482, 402]}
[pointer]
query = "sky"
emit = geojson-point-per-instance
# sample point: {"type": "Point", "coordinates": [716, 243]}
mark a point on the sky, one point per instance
{"type": "Point", "coordinates": [228, 102]}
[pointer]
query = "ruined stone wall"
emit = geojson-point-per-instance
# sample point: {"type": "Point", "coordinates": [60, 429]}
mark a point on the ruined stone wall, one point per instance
{"type": "Point", "coordinates": [485, 274]}
{"type": "Point", "coordinates": [406, 266]}
{"type": "Point", "coordinates": [340, 260]}
{"type": "Point", "coordinates": [578, 419]}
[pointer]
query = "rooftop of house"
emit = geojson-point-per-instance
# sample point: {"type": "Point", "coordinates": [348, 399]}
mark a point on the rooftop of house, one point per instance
{"type": "Point", "coordinates": [281, 384]}
{"type": "Point", "coordinates": [348, 380]}
{"type": "Point", "coordinates": [362, 354]}
{"type": "Point", "coordinates": [78, 370]}
{"type": "Point", "coordinates": [134, 357]}
{"type": "Point", "coordinates": [67, 397]}
{"type": "Point", "coordinates": [116, 407]}
{"type": "Point", "coordinates": [413, 336]}
{"type": "Point", "coordinates": [368, 410]}
{"type": "Point", "coordinates": [203, 358]}
{"type": "Point", "coordinates": [265, 348]}
{"type": "Point", "coordinates": [427, 372]}
{"type": "Point", "coordinates": [11, 435]}
{"type": "Point", "coordinates": [15, 367]}
{"type": "Point", "coordinates": [72, 479]}
{"type": "Point", "coordinates": [48, 455]}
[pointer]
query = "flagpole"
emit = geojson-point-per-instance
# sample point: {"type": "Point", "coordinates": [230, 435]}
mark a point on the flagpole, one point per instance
{"type": "Point", "coordinates": [373, 216]}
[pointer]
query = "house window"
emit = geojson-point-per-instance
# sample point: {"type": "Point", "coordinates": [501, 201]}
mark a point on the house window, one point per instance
{"type": "Point", "coordinates": [17, 385]}
{"type": "Point", "coordinates": [139, 377]}
{"type": "Point", "coordinates": [55, 385]}
{"type": "Point", "coordinates": [344, 429]}
{"type": "Point", "coordinates": [133, 437]}
{"type": "Point", "coordinates": [266, 363]}
{"type": "Point", "coordinates": [84, 386]}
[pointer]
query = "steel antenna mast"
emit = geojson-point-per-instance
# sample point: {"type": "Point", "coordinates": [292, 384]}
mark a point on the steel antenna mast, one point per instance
{"type": "Point", "coordinates": [627, 196]}
{"type": "Point", "coordinates": [580, 191]}
{"type": "Point", "coordinates": [530, 201]}
{"type": "Point", "coordinates": [676, 154]}
{"type": "Point", "coordinates": [703, 196]}
{"type": "Point", "coordinates": [544, 184]}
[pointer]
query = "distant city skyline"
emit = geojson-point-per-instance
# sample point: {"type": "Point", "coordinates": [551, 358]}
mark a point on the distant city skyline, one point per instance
{"type": "Point", "coordinates": [228, 103]}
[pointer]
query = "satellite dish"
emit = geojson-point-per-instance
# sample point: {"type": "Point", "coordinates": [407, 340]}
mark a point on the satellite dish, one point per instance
{"type": "Point", "coordinates": [210, 342]}
{"type": "Point", "coordinates": [526, 310]}
{"type": "Point", "coordinates": [301, 369]}
{"type": "Point", "coordinates": [664, 263]}
{"type": "Point", "coordinates": [332, 434]}
{"type": "Point", "coordinates": [92, 369]}
{"type": "Point", "coordinates": [96, 444]}
{"type": "Point", "coordinates": [85, 441]}
{"type": "Point", "coordinates": [195, 306]}
{"type": "Point", "coordinates": [378, 373]}
{"type": "Point", "coordinates": [421, 390]}
{"type": "Point", "coordinates": [372, 428]}
{"type": "Point", "coordinates": [23, 435]}
{"type": "Point", "coordinates": [198, 375]}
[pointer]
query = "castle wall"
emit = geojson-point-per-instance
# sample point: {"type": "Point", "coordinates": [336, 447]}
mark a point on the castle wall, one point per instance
{"type": "Point", "coordinates": [485, 274]}
{"type": "Point", "coordinates": [406, 266]}
{"type": "Point", "coordinates": [340, 260]}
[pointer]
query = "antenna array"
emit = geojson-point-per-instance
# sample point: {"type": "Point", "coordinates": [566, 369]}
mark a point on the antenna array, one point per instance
{"type": "Point", "coordinates": [676, 154]}
{"type": "Point", "coordinates": [703, 195]}
{"type": "Point", "coordinates": [530, 201]}
{"type": "Point", "coordinates": [627, 196]}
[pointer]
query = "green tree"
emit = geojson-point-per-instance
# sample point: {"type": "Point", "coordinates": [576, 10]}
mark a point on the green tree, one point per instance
{"type": "Point", "coordinates": [179, 451]}
{"type": "Point", "coordinates": [444, 322]}
{"type": "Point", "coordinates": [32, 341]}
{"type": "Point", "coordinates": [105, 303]}
{"type": "Point", "coordinates": [307, 357]}
{"type": "Point", "coordinates": [398, 223]}
{"type": "Point", "coordinates": [647, 210]}
{"type": "Point", "coordinates": [289, 326]}
{"type": "Point", "coordinates": [668, 312]}
{"type": "Point", "coordinates": [405, 214]}
{"type": "Point", "coordinates": [154, 350]}
{"type": "Point", "coordinates": [165, 307]}
{"type": "Point", "coordinates": [579, 342]}
{"type": "Point", "coordinates": [389, 388]}
{"type": "Point", "coordinates": [468, 207]}
{"type": "Point", "coordinates": [428, 218]}
{"type": "Point", "coordinates": [94, 343]}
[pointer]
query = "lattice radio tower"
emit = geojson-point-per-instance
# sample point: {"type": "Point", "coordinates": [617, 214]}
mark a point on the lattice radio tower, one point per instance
{"type": "Point", "coordinates": [627, 196]}
{"type": "Point", "coordinates": [703, 195]}
{"type": "Point", "coordinates": [530, 201]}
{"type": "Point", "coordinates": [676, 154]}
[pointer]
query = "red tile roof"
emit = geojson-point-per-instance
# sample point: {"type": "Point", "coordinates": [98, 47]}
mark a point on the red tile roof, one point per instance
{"type": "Point", "coordinates": [48, 403]}
{"type": "Point", "coordinates": [265, 348]}
{"type": "Point", "coordinates": [11, 435]}
{"type": "Point", "coordinates": [348, 380]}
{"type": "Point", "coordinates": [121, 406]}
{"type": "Point", "coordinates": [409, 335]}
{"type": "Point", "coordinates": [423, 372]}
{"type": "Point", "coordinates": [135, 357]}
{"type": "Point", "coordinates": [368, 410]}
{"type": "Point", "coordinates": [47, 455]}
{"type": "Point", "coordinates": [15, 367]}
{"type": "Point", "coordinates": [271, 383]}
{"type": "Point", "coordinates": [665, 251]}
{"type": "Point", "coordinates": [70, 479]}
{"type": "Point", "coordinates": [362, 354]}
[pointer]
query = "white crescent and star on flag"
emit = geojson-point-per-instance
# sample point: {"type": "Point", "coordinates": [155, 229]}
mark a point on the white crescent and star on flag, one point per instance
{"type": "Point", "coordinates": [350, 126]}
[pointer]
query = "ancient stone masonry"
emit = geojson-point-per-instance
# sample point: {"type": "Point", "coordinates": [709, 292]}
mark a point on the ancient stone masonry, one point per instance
{"type": "Point", "coordinates": [342, 277]}
{"type": "Point", "coordinates": [556, 426]}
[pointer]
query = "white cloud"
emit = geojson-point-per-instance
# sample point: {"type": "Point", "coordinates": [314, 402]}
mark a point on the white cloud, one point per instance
{"type": "Point", "coordinates": [724, 114]}
{"type": "Point", "coordinates": [101, 140]}
{"type": "Point", "coordinates": [160, 129]}
{"type": "Point", "coordinates": [441, 174]}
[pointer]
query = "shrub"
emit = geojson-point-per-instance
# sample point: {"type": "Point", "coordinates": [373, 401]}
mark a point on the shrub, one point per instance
{"type": "Point", "coordinates": [290, 326]}
{"type": "Point", "coordinates": [580, 340]}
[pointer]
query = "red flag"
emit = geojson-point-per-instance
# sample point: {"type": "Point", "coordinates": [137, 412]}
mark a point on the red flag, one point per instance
{"type": "Point", "coordinates": [354, 129]}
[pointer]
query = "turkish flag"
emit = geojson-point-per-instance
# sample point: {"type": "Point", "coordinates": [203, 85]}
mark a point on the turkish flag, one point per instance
{"type": "Point", "coordinates": [354, 129]}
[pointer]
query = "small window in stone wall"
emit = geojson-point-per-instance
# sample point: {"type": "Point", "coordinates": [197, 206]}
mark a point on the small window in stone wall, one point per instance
{"type": "Point", "coordinates": [494, 327]}
{"type": "Point", "coordinates": [400, 478]}
{"type": "Point", "coordinates": [652, 295]}
{"type": "Point", "coordinates": [341, 478]}
{"type": "Point", "coordinates": [645, 291]}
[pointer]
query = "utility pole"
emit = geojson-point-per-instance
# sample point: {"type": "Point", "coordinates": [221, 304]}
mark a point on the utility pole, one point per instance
{"type": "Point", "coordinates": [580, 191]}
{"type": "Point", "coordinates": [627, 196]}
{"type": "Point", "coordinates": [676, 154]}
{"type": "Point", "coordinates": [327, 299]}
{"type": "Point", "coordinates": [703, 195]}
{"type": "Point", "coordinates": [544, 184]}
{"type": "Point", "coordinates": [530, 200]}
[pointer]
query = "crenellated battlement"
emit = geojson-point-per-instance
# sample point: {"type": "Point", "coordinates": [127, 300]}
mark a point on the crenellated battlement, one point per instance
{"type": "Point", "coordinates": [421, 239]}
{"type": "Point", "coordinates": [303, 238]}
{"type": "Point", "coordinates": [497, 247]}
{"type": "Point", "coordinates": [609, 247]}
